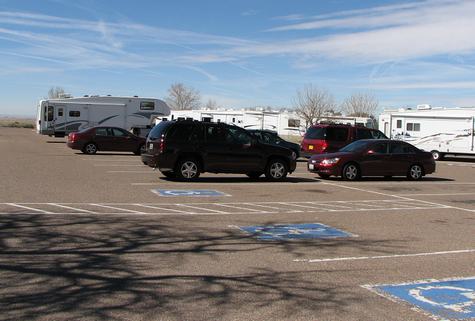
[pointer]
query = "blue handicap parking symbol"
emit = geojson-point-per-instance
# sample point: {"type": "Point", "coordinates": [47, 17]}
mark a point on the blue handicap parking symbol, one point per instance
{"type": "Point", "coordinates": [188, 192]}
{"type": "Point", "coordinates": [294, 231]}
{"type": "Point", "coordinates": [452, 300]}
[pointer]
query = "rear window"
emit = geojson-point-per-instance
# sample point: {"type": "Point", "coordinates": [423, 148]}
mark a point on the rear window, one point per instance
{"type": "Point", "coordinates": [355, 146]}
{"type": "Point", "coordinates": [378, 135]}
{"type": "Point", "coordinates": [315, 133]}
{"type": "Point", "coordinates": [159, 129]}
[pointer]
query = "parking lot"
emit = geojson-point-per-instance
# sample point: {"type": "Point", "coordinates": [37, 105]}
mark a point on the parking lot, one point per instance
{"type": "Point", "coordinates": [104, 237]}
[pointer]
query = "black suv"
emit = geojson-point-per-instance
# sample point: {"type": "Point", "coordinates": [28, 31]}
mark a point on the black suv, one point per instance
{"type": "Point", "coordinates": [184, 149]}
{"type": "Point", "coordinates": [271, 137]}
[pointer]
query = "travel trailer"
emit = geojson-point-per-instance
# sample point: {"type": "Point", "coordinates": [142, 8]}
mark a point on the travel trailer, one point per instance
{"type": "Point", "coordinates": [438, 130]}
{"type": "Point", "coordinates": [284, 123]}
{"type": "Point", "coordinates": [59, 117]}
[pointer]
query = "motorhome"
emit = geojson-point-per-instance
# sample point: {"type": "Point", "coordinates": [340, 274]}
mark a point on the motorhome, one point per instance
{"type": "Point", "coordinates": [60, 117]}
{"type": "Point", "coordinates": [439, 130]}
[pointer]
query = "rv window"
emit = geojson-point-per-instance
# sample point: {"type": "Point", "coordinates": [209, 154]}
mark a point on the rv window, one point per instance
{"type": "Point", "coordinates": [60, 112]}
{"type": "Point", "coordinates": [415, 127]}
{"type": "Point", "coordinates": [50, 113]}
{"type": "Point", "coordinates": [74, 113]}
{"type": "Point", "coordinates": [147, 105]}
{"type": "Point", "coordinates": [294, 123]}
{"type": "Point", "coordinates": [399, 123]}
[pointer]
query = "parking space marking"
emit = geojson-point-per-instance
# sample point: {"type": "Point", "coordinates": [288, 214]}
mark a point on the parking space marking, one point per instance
{"type": "Point", "coordinates": [435, 194]}
{"type": "Point", "coordinates": [71, 208]}
{"type": "Point", "coordinates": [117, 208]}
{"type": "Point", "coordinates": [379, 257]}
{"type": "Point", "coordinates": [29, 208]}
{"type": "Point", "coordinates": [163, 208]}
{"type": "Point", "coordinates": [118, 165]}
{"type": "Point", "coordinates": [210, 208]}
{"type": "Point", "coordinates": [239, 207]}
{"type": "Point", "coordinates": [263, 183]}
{"type": "Point", "coordinates": [200, 208]}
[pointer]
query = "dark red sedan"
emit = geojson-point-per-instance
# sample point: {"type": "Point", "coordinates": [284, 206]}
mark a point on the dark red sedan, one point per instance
{"type": "Point", "coordinates": [94, 139]}
{"type": "Point", "coordinates": [369, 157]}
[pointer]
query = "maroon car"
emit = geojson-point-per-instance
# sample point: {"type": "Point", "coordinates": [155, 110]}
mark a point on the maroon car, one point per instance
{"type": "Point", "coordinates": [370, 157]}
{"type": "Point", "coordinates": [94, 139]}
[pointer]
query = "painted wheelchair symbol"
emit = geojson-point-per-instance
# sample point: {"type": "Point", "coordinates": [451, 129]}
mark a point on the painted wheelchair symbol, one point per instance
{"type": "Point", "coordinates": [457, 299]}
{"type": "Point", "coordinates": [294, 231]}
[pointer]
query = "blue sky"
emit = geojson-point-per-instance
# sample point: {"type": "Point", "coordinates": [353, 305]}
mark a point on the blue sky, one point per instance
{"type": "Point", "coordinates": [239, 53]}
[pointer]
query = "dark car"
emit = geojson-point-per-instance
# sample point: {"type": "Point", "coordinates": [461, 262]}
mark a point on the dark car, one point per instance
{"type": "Point", "coordinates": [184, 149]}
{"type": "Point", "coordinates": [91, 140]}
{"type": "Point", "coordinates": [271, 137]}
{"type": "Point", "coordinates": [374, 158]}
{"type": "Point", "coordinates": [328, 138]}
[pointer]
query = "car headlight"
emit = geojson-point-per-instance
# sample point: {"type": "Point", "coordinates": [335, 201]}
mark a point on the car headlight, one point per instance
{"type": "Point", "coordinates": [330, 161]}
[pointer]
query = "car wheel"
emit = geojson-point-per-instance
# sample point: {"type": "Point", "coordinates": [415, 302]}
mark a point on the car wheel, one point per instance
{"type": "Point", "coordinates": [169, 174]}
{"type": "Point", "coordinates": [437, 155]}
{"type": "Point", "coordinates": [187, 169]}
{"type": "Point", "coordinates": [415, 172]}
{"type": "Point", "coordinates": [140, 150]}
{"type": "Point", "coordinates": [276, 170]}
{"type": "Point", "coordinates": [351, 172]}
{"type": "Point", "coordinates": [324, 176]}
{"type": "Point", "coordinates": [90, 148]}
{"type": "Point", "coordinates": [254, 175]}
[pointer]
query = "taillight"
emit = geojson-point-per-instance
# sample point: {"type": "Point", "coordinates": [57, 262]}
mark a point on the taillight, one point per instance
{"type": "Point", "coordinates": [72, 137]}
{"type": "Point", "coordinates": [324, 145]}
{"type": "Point", "coordinates": [162, 144]}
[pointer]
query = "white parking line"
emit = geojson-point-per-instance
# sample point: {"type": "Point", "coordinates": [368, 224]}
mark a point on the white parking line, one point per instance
{"type": "Point", "coordinates": [71, 208]}
{"type": "Point", "coordinates": [436, 194]}
{"type": "Point", "coordinates": [379, 257]}
{"type": "Point", "coordinates": [117, 208]}
{"type": "Point", "coordinates": [110, 160]}
{"type": "Point", "coordinates": [163, 209]}
{"type": "Point", "coordinates": [231, 183]}
{"type": "Point", "coordinates": [238, 207]}
{"type": "Point", "coordinates": [200, 208]}
{"type": "Point", "coordinates": [29, 208]}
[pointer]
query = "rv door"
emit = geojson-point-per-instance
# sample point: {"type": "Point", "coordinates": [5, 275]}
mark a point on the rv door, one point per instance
{"type": "Point", "coordinates": [48, 120]}
{"type": "Point", "coordinates": [60, 120]}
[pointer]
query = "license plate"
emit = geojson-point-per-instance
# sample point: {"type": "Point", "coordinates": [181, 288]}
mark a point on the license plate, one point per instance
{"type": "Point", "coordinates": [150, 146]}
{"type": "Point", "coordinates": [310, 147]}
{"type": "Point", "coordinates": [311, 167]}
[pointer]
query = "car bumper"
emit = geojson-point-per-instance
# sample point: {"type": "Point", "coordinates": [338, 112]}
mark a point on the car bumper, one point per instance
{"type": "Point", "coordinates": [75, 145]}
{"type": "Point", "coordinates": [325, 170]}
{"type": "Point", "coordinates": [159, 161]}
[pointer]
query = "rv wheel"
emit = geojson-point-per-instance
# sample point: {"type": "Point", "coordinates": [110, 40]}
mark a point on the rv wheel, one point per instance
{"type": "Point", "coordinates": [437, 155]}
{"type": "Point", "coordinates": [90, 148]}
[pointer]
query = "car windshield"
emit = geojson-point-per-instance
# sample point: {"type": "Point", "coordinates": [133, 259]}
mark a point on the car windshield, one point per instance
{"type": "Point", "coordinates": [159, 129]}
{"type": "Point", "coordinates": [355, 146]}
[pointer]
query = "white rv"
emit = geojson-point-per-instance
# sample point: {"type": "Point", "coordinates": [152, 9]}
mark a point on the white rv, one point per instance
{"type": "Point", "coordinates": [284, 123]}
{"type": "Point", "coordinates": [438, 130]}
{"type": "Point", "coordinates": [60, 117]}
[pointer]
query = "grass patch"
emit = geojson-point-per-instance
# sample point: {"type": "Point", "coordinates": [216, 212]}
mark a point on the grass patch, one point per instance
{"type": "Point", "coordinates": [17, 123]}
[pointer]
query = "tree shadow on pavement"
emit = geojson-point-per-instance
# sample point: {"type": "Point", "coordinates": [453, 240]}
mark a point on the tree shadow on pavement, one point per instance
{"type": "Point", "coordinates": [86, 267]}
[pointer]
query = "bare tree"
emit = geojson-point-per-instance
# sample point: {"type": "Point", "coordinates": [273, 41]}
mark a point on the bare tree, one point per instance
{"type": "Point", "coordinates": [55, 92]}
{"type": "Point", "coordinates": [360, 105]}
{"type": "Point", "coordinates": [311, 103]}
{"type": "Point", "coordinates": [181, 97]}
{"type": "Point", "coordinates": [211, 104]}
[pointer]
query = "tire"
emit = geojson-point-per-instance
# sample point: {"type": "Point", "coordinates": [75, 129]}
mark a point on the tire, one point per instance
{"type": "Point", "coordinates": [140, 150]}
{"type": "Point", "coordinates": [324, 176]}
{"type": "Point", "coordinates": [351, 172]}
{"type": "Point", "coordinates": [254, 175]}
{"type": "Point", "coordinates": [276, 170]}
{"type": "Point", "coordinates": [90, 149]}
{"type": "Point", "coordinates": [187, 169]}
{"type": "Point", "coordinates": [437, 155]}
{"type": "Point", "coordinates": [169, 174]}
{"type": "Point", "coordinates": [415, 172]}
